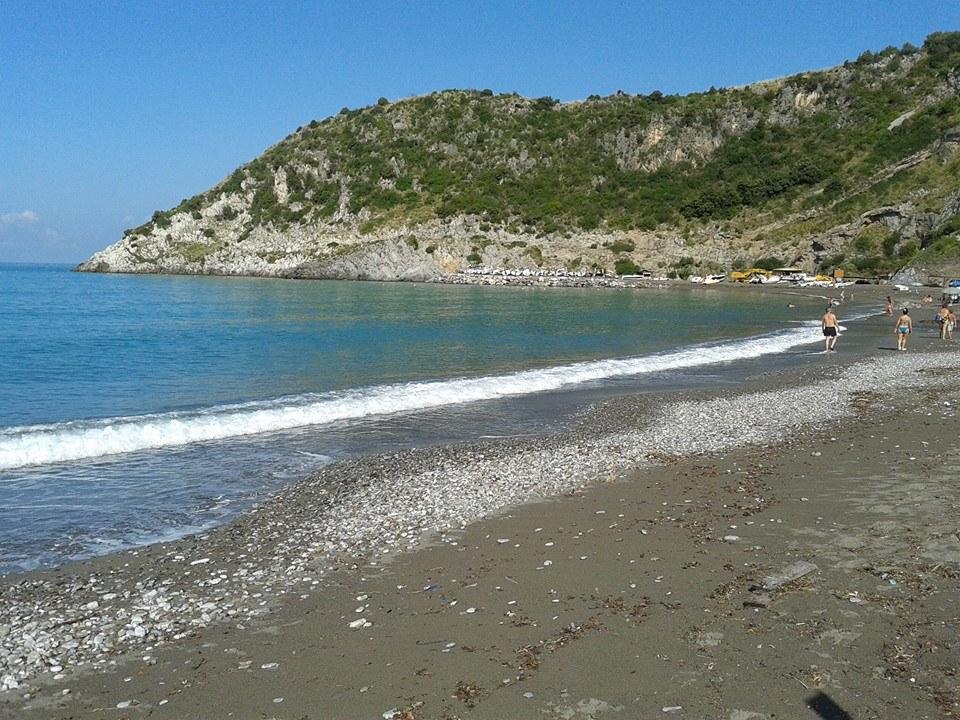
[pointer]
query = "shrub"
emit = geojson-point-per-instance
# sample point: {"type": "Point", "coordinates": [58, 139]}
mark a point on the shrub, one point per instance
{"type": "Point", "coordinates": [195, 252]}
{"type": "Point", "coordinates": [908, 250]}
{"type": "Point", "coordinates": [474, 259]}
{"type": "Point", "coordinates": [832, 261]}
{"type": "Point", "coordinates": [545, 103]}
{"type": "Point", "coordinates": [535, 254]}
{"type": "Point", "coordinates": [875, 236]}
{"type": "Point", "coordinates": [768, 263]}
{"type": "Point", "coordinates": [160, 219]}
{"type": "Point", "coordinates": [620, 246]}
{"type": "Point", "coordinates": [625, 266]}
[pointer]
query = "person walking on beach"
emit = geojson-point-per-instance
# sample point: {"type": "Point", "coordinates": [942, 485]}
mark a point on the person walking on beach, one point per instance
{"type": "Point", "coordinates": [904, 328]}
{"type": "Point", "coordinates": [888, 306]}
{"type": "Point", "coordinates": [950, 323]}
{"type": "Point", "coordinates": [829, 324]}
{"type": "Point", "coordinates": [942, 317]}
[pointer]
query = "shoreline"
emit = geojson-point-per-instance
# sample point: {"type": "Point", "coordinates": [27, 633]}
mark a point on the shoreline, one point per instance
{"type": "Point", "coordinates": [127, 433]}
{"type": "Point", "coordinates": [262, 561]}
{"type": "Point", "coordinates": [545, 280]}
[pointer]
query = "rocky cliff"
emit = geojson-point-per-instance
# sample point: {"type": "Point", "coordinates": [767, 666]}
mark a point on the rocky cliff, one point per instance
{"type": "Point", "coordinates": [854, 167]}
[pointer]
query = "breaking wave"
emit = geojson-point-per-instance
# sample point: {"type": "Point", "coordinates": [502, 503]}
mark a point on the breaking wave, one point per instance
{"type": "Point", "coordinates": [77, 440]}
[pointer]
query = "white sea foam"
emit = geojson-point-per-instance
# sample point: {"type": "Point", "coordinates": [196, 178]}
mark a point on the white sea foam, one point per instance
{"type": "Point", "coordinates": [44, 444]}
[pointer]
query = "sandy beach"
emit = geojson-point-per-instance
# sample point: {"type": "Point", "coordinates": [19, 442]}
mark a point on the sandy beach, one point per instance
{"type": "Point", "coordinates": [615, 569]}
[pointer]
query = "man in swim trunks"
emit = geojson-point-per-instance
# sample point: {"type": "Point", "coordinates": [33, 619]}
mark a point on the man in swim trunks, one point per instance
{"type": "Point", "coordinates": [830, 329]}
{"type": "Point", "coordinates": [904, 328]}
{"type": "Point", "coordinates": [943, 317]}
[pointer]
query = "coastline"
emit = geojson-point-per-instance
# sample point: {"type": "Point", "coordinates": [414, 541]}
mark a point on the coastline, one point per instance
{"type": "Point", "coordinates": [371, 513]}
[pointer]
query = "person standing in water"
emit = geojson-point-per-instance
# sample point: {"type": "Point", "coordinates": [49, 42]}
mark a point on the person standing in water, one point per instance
{"type": "Point", "coordinates": [829, 324]}
{"type": "Point", "coordinates": [888, 306]}
{"type": "Point", "coordinates": [904, 328]}
{"type": "Point", "coordinates": [943, 315]}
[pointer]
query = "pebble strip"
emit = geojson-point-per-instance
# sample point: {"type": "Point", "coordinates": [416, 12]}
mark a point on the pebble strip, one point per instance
{"type": "Point", "coordinates": [366, 509]}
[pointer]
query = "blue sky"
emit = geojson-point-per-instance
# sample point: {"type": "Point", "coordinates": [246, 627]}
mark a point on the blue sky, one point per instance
{"type": "Point", "coordinates": [111, 110]}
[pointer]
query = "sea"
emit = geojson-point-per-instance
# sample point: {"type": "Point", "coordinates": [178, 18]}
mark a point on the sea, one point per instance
{"type": "Point", "coordinates": [141, 408]}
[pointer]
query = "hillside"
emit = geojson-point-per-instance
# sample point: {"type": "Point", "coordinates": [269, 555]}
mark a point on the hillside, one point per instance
{"type": "Point", "coordinates": [855, 166]}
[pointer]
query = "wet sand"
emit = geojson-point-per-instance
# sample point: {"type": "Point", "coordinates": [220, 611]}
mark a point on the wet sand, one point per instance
{"type": "Point", "coordinates": [622, 596]}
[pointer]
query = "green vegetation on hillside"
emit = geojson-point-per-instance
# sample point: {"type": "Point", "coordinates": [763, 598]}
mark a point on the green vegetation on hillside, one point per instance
{"type": "Point", "coordinates": [812, 142]}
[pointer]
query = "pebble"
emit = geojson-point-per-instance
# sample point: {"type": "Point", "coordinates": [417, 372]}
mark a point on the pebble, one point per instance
{"type": "Point", "coordinates": [343, 511]}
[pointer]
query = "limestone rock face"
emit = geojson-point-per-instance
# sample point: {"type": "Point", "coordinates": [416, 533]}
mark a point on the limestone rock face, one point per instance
{"type": "Point", "coordinates": [911, 276]}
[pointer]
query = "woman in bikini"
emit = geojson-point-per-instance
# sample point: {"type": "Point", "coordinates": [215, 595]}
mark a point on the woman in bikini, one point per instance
{"type": "Point", "coordinates": [904, 328]}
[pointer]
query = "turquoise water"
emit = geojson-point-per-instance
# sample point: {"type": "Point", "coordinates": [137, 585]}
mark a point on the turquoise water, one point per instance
{"type": "Point", "coordinates": [134, 408]}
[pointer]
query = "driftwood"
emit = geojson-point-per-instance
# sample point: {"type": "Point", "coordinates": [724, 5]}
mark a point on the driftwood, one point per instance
{"type": "Point", "coordinates": [793, 571]}
{"type": "Point", "coordinates": [760, 595]}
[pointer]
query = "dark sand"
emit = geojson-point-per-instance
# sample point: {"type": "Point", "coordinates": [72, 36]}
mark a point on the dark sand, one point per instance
{"type": "Point", "coordinates": [625, 600]}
